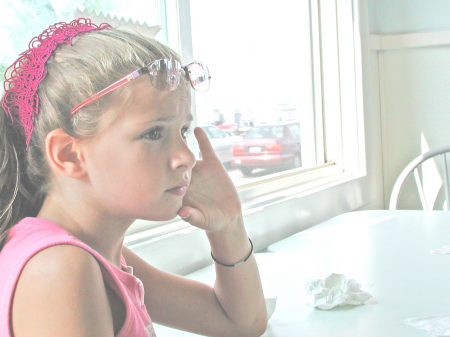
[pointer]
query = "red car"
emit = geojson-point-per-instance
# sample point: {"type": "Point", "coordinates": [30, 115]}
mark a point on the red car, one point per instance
{"type": "Point", "coordinates": [275, 145]}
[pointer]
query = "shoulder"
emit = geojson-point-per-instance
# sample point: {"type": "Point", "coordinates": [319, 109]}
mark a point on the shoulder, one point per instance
{"type": "Point", "coordinates": [61, 292]}
{"type": "Point", "coordinates": [61, 255]}
{"type": "Point", "coordinates": [61, 266]}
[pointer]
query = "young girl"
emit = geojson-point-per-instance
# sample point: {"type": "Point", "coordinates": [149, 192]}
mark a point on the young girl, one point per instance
{"type": "Point", "coordinates": [93, 133]}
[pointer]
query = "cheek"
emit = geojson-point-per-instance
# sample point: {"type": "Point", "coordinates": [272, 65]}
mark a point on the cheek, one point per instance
{"type": "Point", "coordinates": [107, 166]}
{"type": "Point", "coordinates": [130, 173]}
{"type": "Point", "coordinates": [134, 184]}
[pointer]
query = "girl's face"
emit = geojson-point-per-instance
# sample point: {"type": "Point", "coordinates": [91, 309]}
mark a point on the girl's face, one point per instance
{"type": "Point", "coordinates": [139, 165]}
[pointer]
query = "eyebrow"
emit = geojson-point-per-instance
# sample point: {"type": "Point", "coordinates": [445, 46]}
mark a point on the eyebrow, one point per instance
{"type": "Point", "coordinates": [189, 118]}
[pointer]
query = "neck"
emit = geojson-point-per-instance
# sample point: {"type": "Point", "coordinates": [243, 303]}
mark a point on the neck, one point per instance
{"type": "Point", "coordinates": [99, 231]}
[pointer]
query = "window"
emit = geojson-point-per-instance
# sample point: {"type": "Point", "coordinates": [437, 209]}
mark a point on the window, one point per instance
{"type": "Point", "coordinates": [261, 65]}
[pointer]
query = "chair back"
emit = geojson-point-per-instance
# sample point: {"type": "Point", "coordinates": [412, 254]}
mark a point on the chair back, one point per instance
{"type": "Point", "coordinates": [413, 167]}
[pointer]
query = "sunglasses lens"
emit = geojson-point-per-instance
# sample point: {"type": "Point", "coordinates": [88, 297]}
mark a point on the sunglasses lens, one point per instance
{"type": "Point", "coordinates": [199, 76]}
{"type": "Point", "coordinates": [165, 74]}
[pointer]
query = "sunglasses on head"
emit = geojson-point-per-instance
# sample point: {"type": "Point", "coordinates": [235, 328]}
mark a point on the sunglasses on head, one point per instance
{"type": "Point", "coordinates": [164, 75]}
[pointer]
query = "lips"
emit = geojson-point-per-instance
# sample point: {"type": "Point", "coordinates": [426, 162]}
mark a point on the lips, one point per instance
{"type": "Point", "coordinates": [179, 190]}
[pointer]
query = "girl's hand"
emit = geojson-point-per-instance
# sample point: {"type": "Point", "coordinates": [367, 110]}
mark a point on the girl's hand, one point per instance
{"type": "Point", "coordinates": [211, 201]}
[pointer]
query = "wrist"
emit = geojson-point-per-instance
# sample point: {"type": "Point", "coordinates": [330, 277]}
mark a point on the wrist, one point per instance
{"type": "Point", "coordinates": [233, 226]}
{"type": "Point", "coordinates": [236, 263]}
{"type": "Point", "coordinates": [231, 244]}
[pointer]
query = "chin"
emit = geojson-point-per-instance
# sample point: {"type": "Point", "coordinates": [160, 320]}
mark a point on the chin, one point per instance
{"type": "Point", "coordinates": [173, 216]}
{"type": "Point", "coordinates": [160, 212]}
{"type": "Point", "coordinates": [161, 217]}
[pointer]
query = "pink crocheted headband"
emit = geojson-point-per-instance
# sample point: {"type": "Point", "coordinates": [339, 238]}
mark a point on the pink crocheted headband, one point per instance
{"type": "Point", "coordinates": [25, 74]}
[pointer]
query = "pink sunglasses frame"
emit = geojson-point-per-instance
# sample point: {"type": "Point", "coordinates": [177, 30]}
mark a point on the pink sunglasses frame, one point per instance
{"type": "Point", "coordinates": [139, 72]}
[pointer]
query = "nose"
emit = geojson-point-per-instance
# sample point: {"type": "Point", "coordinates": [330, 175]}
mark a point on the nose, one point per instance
{"type": "Point", "coordinates": [182, 157]}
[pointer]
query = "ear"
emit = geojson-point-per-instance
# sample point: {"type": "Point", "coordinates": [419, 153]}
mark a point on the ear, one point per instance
{"type": "Point", "coordinates": [64, 154]}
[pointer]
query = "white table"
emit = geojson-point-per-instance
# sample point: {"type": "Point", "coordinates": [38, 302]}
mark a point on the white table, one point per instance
{"type": "Point", "coordinates": [388, 252]}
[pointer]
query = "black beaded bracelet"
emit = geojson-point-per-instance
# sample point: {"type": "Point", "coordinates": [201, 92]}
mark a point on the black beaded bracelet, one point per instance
{"type": "Point", "coordinates": [237, 263]}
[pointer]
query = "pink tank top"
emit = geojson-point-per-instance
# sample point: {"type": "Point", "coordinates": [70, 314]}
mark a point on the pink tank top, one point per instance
{"type": "Point", "coordinates": [30, 236]}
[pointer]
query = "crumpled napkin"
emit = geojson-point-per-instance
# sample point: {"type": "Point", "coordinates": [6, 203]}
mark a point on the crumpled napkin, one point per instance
{"type": "Point", "coordinates": [335, 290]}
{"type": "Point", "coordinates": [436, 325]}
{"type": "Point", "coordinates": [443, 250]}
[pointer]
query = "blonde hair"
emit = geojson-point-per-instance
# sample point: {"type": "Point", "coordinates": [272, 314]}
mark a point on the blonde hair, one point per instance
{"type": "Point", "coordinates": [95, 60]}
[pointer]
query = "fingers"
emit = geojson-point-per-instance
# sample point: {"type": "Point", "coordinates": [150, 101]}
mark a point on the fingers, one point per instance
{"type": "Point", "coordinates": [206, 148]}
{"type": "Point", "coordinates": [193, 216]}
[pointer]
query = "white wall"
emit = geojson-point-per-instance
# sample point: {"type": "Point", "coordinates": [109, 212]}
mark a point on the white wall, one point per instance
{"type": "Point", "coordinates": [414, 98]}
{"type": "Point", "coordinates": [408, 16]}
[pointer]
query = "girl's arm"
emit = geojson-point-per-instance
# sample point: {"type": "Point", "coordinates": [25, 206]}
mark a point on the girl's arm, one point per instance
{"type": "Point", "coordinates": [236, 305]}
{"type": "Point", "coordinates": [61, 293]}
{"type": "Point", "coordinates": [189, 305]}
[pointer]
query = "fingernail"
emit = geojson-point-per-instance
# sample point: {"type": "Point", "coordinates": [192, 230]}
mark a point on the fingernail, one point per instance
{"type": "Point", "coordinates": [185, 217]}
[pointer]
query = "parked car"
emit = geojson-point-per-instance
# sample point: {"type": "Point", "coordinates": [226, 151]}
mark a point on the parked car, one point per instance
{"type": "Point", "coordinates": [228, 126]}
{"type": "Point", "coordinates": [231, 134]}
{"type": "Point", "coordinates": [275, 145]}
{"type": "Point", "coordinates": [221, 142]}
{"type": "Point", "coordinates": [246, 126]}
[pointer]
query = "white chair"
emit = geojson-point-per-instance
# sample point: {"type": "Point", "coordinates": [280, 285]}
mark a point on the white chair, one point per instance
{"type": "Point", "coordinates": [413, 167]}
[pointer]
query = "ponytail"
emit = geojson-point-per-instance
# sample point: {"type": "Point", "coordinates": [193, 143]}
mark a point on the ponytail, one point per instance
{"type": "Point", "coordinates": [16, 193]}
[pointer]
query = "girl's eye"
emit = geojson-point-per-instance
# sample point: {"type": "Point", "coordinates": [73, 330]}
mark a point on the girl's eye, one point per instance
{"type": "Point", "coordinates": [153, 134]}
{"type": "Point", "coordinates": [185, 131]}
